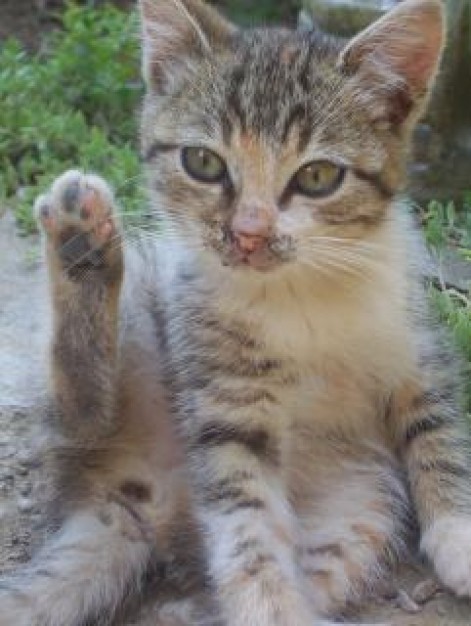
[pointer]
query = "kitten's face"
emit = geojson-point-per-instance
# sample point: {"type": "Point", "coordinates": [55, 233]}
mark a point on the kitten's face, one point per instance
{"type": "Point", "coordinates": [265, 149]}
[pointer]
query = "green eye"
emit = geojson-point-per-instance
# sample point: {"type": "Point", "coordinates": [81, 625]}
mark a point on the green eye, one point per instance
{"type": "Point", "coordinates": [319, 178]}
{"type": "Point", "coordinates": [203, 165]}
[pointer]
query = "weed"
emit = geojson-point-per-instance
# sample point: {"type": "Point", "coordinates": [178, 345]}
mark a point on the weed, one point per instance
{"type": "Point", "coordinates": [448, 231]}
{"type": "Point", "coordinates": [74, 104]}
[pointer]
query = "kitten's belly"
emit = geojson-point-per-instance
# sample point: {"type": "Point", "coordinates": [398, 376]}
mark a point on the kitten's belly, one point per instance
{"type": "Point", "coordinates": [337, 401]}
{"type": "Point", "coordinates": [332, 423]}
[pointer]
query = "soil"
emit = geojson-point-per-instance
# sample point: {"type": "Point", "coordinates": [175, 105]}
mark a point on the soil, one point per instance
{"type": "Point", "coordinates": [24, 487]}
{"type": "Point", "coordinates": [30, 20]}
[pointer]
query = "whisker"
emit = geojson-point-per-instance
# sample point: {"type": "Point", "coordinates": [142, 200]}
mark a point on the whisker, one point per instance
{"type": "Point", "coordinates": [335, 270]}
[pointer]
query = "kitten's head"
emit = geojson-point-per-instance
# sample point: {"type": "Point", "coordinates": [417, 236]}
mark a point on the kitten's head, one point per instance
{"type": "Point", "coordinates": [268, 146]}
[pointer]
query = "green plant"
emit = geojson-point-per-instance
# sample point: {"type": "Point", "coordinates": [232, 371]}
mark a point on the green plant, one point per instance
{"type": "Point", "coordinates": [449, 231]}
{"type": "Point", "coordinates": [72, 105]}
{"type": "Point", "coordinates": [445, 226]}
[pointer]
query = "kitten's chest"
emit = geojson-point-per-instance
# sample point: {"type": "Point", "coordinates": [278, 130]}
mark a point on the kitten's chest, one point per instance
{"type": "Point", "coordinates": [345, 358]}
{"type": "Point", "coordinates": [334, 342]}
{"type": "Point", "coordinates": [336, 347]}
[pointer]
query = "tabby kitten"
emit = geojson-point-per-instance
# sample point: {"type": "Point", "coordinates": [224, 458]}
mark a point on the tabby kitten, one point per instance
{"type": "Point", "coordinates": [279, 319]}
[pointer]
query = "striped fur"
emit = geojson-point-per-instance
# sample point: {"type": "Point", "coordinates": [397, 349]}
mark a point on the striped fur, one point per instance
{"type": "Point", "coordinates": [269, 436]}
{"type": "Point", "coordinates": [277, 376]}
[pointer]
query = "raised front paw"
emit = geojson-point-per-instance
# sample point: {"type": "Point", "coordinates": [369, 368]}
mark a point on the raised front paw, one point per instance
{"type": "Point", "coordinates": [80, 223]}
{"type": "Point", "coordinates": [447, 543]}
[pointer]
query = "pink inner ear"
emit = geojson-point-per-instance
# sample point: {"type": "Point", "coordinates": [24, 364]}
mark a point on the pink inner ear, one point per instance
{"type": "Point", "coordinates": [420, 70]}
{"type": "Point", "coordinates": [418, 65]}
{"type": "Point", "coordinates": [407, 41]}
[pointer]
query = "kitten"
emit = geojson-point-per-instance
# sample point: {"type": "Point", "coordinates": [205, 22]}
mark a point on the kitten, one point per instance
{"type": "Point", "coordinates": [278, 322]}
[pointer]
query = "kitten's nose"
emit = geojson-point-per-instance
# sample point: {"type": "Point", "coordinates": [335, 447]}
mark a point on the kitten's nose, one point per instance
{"type": "Point", "coordinates": [249, 243]}
{"type": "Point", "coordinates": [252, 227]}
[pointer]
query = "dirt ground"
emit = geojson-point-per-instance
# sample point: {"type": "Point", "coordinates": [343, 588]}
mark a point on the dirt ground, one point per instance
{"type": "Point", "coordinates": [29, 20]}
{"type": "Point", "coordinates": [24, 485]}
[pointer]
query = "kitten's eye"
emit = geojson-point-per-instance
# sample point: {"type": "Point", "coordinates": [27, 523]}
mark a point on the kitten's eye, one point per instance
{"type": "Point", "coordinates": [319, 178]}
{"type": "Point", "coordinates": [203, 165]}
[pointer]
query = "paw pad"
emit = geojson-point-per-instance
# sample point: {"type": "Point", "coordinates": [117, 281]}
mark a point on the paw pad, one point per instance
{"type": "Point", "coordinates": [78, 217]}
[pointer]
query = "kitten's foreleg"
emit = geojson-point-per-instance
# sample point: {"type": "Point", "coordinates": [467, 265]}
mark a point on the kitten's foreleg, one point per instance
{"type": "Point", "coordinates": [84, 256]}
{"type": "Point", "coordinates": [354, 528]}
{"type": "Point", "coordinates": [244, 510]}
{"type": "Point", "coordinates": [434, 442]}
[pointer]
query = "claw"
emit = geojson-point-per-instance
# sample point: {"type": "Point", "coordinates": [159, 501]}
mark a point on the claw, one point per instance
{"type": "Point", "coordinates": [71, 195]}
{"type": "Point", "coordinates": [43, 213]}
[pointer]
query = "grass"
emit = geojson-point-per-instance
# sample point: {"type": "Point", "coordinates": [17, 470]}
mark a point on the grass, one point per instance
{"type": "Point", "coordinates": [448, 230]}
{"type": "Point", "coordinates": [75, 102]}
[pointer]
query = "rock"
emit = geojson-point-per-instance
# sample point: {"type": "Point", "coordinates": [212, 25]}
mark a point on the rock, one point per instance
{"type": "Point", "coordinates": [23, 347]}
{"type": "Point", "coordinates": [25, 490]}
{"type": "Point", "coordinates": [455, 270]}
{"type": "Point", "coordinates": [406, 603]}
{"type": "Point", "coordinates": [23, 470]}
{"type": "Point", "coordinates": [25, 505]}
{"type": "Point", "coordinates": [426, 590]}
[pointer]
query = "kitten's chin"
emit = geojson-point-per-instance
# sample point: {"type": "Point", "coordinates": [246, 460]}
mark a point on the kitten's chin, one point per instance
{"type": "Point", "coordinates": [260, 261]}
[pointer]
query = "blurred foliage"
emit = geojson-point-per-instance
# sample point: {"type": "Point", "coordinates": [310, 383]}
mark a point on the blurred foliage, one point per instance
{"type": "Point", "coordinates": [448, 229]}
{"type": "Point", "coordinates": [445, 225]}
{"type": "Point", "coordinates": [73, 104]}
{"type": "Point", "coordinates": [251, 12]}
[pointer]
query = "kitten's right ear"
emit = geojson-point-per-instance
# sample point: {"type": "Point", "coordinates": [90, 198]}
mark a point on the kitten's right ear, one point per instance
{"type": "Point", "coordinates": [175, 33]}
{"type": "Point", "coordinates": [396, 59]}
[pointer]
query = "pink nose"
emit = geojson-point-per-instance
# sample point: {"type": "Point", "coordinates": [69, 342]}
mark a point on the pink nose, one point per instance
{"type": "Point", "coordinates": [249, 243]}
{"type": "Point", "coordinates": [252, 227]}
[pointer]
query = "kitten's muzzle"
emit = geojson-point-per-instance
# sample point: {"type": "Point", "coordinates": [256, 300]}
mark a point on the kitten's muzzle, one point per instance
{"type": "Point", "coordinates": [253, 226]}
{"type": "Point", "coordinates": [260, 253]}
{"type": "Point", "coordinates": [249, 234]}
{"type": "Point", "coordinates": [250, 238]}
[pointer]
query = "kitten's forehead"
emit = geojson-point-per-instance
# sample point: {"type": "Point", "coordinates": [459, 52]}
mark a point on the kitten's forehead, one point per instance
{"type": "Point", "coordinates": [277, 79]}
{"type": "Point", "coordinates": [272, 81]}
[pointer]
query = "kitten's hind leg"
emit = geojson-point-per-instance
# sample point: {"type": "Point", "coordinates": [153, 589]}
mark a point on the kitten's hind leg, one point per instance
{"type": "Point", "coordinates": [85, 261]}
{"type": "Point", "coordinates": [82, 573]}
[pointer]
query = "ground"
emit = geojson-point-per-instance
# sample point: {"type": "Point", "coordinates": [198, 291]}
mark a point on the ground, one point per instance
{"type": "Point", "coordinates": [24, 487]}
{"type": "Point", "coordinates": [29, 20]}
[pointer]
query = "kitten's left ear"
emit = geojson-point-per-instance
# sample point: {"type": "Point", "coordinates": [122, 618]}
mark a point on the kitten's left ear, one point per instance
{"type": "Point", "coordinates": [176, 33]}
{"type": "Point", "coordinates": [395, 60]}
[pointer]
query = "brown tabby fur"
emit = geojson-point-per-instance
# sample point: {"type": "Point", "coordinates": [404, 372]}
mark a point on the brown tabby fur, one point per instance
{"type": "Point", "coordinates": [263, 438]}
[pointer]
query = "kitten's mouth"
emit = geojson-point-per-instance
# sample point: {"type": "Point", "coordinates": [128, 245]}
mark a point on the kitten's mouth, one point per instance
{"type": "Point", "coordinates": [257, 253]}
